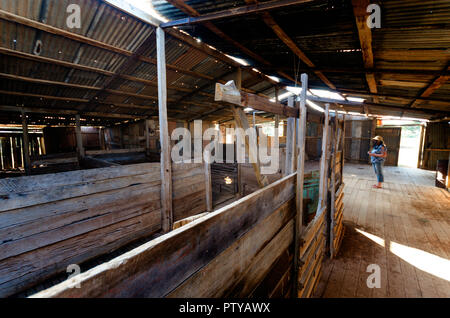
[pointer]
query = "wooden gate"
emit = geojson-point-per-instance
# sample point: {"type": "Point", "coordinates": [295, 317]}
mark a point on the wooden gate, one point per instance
{"type": "Point", "coordinates": [392, 140]}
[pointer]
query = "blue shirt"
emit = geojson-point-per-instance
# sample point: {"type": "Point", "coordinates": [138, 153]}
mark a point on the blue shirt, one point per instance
{"type": "Point", "coordinates": [378, 150]}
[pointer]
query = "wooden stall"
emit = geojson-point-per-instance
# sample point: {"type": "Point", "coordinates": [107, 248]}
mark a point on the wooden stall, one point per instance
{"type": "Point", "coordinates": [51, 221]}
{"type": "Point", "coordinates": [255, 233]}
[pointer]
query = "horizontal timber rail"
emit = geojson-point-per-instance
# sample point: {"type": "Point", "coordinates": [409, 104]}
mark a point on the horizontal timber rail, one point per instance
{"type": "Point", "coordinates": [255, 232]}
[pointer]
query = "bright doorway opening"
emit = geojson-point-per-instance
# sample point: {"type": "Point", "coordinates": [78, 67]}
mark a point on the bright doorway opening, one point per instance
{"type": "Point", "coordinates": [409, 146]}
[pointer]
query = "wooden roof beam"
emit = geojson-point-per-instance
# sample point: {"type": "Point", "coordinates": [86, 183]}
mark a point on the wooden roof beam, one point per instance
{"type": "Point", "coordinates": [366, 106]}
{"type": "Point", "coordinates": [38, 110]}
{"type": "Point", "coordinates": [254, 101]}
{"type": "Point", "coordinates": [230, 12]}
{"type": "Point", "coordinates": [365, 38]}
{"type": "Point", "coordinates": [431, 88]}
{"type": "Point", "coordinates": [85, 40]}
{"type": "Point", "coordinates": [271, 23]}
{"type": "Point", "coordinates": [182, 6]}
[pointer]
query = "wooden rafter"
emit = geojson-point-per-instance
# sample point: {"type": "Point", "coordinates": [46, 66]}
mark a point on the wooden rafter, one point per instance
{"type": "Point", "coordinates": [52, 111]}
{"type": "Point", "coordinates": [433, 86]}
{"type": "Point", "coordinates": [365, 38]}
{"type": "Point", "coordinates": [282, 35]}
{"type": "Point", "coordinates": [184, 7]}
{"type": "Point", "coordinates": [254, 101]}
{"type": "Point", "coordinates": [230, 12]}
{"type": "Point", "coordinates": [4, 15]}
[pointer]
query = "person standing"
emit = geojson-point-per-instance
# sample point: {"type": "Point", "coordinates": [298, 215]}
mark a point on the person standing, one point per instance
{"type": "Point", "coordinates": [378, 155]}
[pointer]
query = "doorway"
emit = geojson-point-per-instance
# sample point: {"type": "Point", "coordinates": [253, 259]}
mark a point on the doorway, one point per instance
{"type": "Point", "coordinates": [392, 137]}
{"type": "Point", "coordinates": [410, 146]}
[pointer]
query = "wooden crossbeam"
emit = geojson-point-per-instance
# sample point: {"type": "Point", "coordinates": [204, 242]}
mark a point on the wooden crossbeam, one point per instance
{"type": "Point", "coordinates": [357, 70]}
{"type": "Point", "coordinates": [181, 5]}
{"type": "Point", "coordinates": [231, 12]}
{"type": "Point", "coordinates": [365, 38]}
{"type": "Point", "coordinates": [372, 105]}
{"type": "Point", "coordinates": [431, 88]}
{"type": "Point", "coordinates": [242, 122]}
{"type": "Point", "coordinates": [282, 35]}
{"type": "Point", "coordinates": [244, 99]}
{"type": "Point", "coordinates": [38, 110]}
{"type": "Point", "coordinates": [5, 15]}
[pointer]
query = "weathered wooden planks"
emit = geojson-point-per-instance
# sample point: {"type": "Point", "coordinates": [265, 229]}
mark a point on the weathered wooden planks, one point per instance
{"type": "Point", "coordinates": [231, 272]}
{"type": "Point", "coordinates": [45, 217]}
{"type": "Point", "coordinates": [157, 268]}
{"type": "Point", "coordinates": [188, 190]}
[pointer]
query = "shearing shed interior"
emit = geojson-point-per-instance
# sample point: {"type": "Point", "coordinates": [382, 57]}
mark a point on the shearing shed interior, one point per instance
{"type": "Point", "coordinates": [224, 149]}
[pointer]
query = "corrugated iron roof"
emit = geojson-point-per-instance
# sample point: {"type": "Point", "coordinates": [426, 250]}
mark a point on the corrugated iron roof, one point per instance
{"type": "Point", "coordinates": [414, 36]}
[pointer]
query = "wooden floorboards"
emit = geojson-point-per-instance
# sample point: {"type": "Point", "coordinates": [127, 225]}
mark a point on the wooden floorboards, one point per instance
{"type": "Point", "coordinates": [404, 228]}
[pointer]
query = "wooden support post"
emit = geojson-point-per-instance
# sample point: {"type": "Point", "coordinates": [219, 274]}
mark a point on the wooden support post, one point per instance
{"type": "Point", "coordinates": [343, 148]}
{"type": "Point", "coordinates": [332, 206]}
{"type": "Point", "coordinates": [79, 136]}
{"type": "Point", "coordinates": [238, 78]}
{"type": "Point", "coordinates": [242, 122]}
{"type": "Point", "coordinates": [290, 141]}
{"type": "Point", "coordinates": [101, 138]}
{"type": "Point", "coordinates": [26, 145]}
{"type": "Point", "coordinates": [238, 83]}
{"type": "Point", "coordinates": [300, 150]}
{"type": "Point", "coordinates": [277, 120]}
{"type": "Point", "coordinates": [208, 183]}
{"type": "Point", "coordinates": [277, 129]}
{"type": "Point", "coordinates": [420, 156]}
{"type": "Point", "coordinates": [166, 164]}
{"type": "Point", "coordinates": [323, 161]}
{"type": "Point", "coordinates": [147, 137]}
{"type": "Point", "coordinates": [447, 185]}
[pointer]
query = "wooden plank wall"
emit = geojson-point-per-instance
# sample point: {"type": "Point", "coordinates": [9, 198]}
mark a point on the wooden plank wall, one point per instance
{"type": "Point", "coordinates": [237, 251]}
{"type": "Point", "coordinates": [51, 221]}
{"type": "Point", "coordinates": [189, 190]}
{"type": "Point", "coordinates": [312, 251]}
{"type": "Point", "coordinates": [437, 144]}
{"type": "Point", "coordinates": [358, 134]}
{"type": "Point", "coordinates": [336, 188]}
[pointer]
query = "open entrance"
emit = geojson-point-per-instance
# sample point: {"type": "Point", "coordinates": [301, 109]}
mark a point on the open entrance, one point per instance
{"type": "Point", "coordinates": [403, 140]}
{"type": "Point", "coordinates": [409, 146]}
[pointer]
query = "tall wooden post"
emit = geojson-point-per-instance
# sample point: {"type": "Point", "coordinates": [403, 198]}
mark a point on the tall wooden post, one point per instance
{"type": "Point", "coordinates": [300, 149]}
{"type": "Point", "coordinates": [147, 137]}
{"type": "Point", "coordinates": [238, 83]}
{"type": "Point", "coordinates": [79, 136]}
{"type": "Point", "coordinates": [277, 118]}
{"type": "Point", "coordinates": [331, 211]}
{"type": "Point", "coordinates": [26, 145]}
{"type": "Point", "coordinates": [208, 183]}
{"type": "Point", "coordinates": [290, 141]}
{"type": "Point", "coordinates": [343, 148]}
{"type": "Point", "coordinates": [166, 164]}
{"type": "Point", "coordinates": [101, 138]}
{"type": "Point", "coordinates": [323, 161]}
